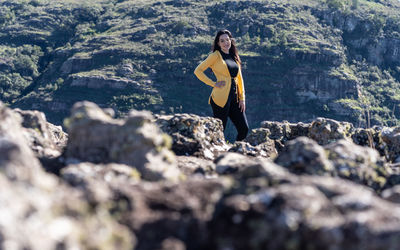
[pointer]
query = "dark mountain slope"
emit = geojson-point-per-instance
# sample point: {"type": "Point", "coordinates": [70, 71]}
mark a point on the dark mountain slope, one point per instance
{"type": "Point", "coordinates": [301, 59]}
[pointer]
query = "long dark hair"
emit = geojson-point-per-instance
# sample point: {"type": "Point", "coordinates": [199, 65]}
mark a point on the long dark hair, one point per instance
{"type": "Point", "coordinates": [232, 51]}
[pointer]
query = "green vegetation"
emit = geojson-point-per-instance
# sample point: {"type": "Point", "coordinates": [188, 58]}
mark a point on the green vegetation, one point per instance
{"type": "Point", "coordinates": [301, 58]}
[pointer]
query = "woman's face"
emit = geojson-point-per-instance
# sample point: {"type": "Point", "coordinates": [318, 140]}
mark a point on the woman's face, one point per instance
{"type": "Point", "coordinates": [224, 42]}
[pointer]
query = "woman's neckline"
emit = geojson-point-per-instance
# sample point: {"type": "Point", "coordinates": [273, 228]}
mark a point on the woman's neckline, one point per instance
{"type": "Point", "coordinates": [224, 53]}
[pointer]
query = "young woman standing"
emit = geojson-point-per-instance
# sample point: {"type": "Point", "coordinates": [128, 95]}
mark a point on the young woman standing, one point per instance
{"type": "Point", "coordinates": [227, 97]}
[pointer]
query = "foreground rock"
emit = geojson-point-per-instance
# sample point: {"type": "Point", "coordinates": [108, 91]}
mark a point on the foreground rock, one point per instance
{"type": "Point", "coordinates": [96, 137]}
{"type": "Point", "coordinates": [38, 211]}
{"type": "Point", "coordinates": [391, 136]}
{"type": "Point", "coordinates": [325, 131]}
{"type": "Point", "coordinates": [194, 135]}
{"type": "Point", "coordinates": [112, 193]}
{"type": "Point", "coordinates": [341, 158]}
{"type": "Point", "coordinates": [160, 214]}
{"type": "Point", "coordinates": [45, 139]}
{"type": "Point", "coordinates": [273, 209]}
{"type": "Point", "coordinates": [305, 156]}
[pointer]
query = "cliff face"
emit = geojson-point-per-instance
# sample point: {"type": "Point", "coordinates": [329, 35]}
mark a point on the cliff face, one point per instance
{"type": "Point", "coordinates": [301, 59]}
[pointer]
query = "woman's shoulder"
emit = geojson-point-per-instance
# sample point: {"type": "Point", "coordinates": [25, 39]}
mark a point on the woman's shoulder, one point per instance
{"type": "Point", "coordinates": [215, 54]}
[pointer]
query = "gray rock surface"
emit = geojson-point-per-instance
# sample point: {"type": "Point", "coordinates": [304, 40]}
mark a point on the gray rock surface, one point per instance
{"type": "Point", "coordinates": [304, 213]}
{"type": "Point", "coordinates": [40, 212]}
{"type": "Point", "coordinates": [325, 131]}
{"type": "Point", "coordinates": [113, 193]}
{"type": "Point", "coordinates": [45, 139]}
{"type": "Point", "coordinates": [305, 156]}
{"type": "Point", "coordinates": [96, 137]}
{"type": "Point", "coordinates": [194, 135]}
{"type": "Point", "coordinates": [391, 137]}
{"type": "Point", "coordinates": [190, 165]}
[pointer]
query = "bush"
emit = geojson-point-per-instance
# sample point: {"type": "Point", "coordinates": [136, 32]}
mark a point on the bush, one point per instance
{"type": "Point", "coordinates": [6, 15]}
{"type": "Point", "coordinates": [336, 4]}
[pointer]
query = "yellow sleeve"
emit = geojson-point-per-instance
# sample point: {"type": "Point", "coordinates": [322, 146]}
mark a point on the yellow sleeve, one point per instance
{"type": "Point", "coordinates": [199, 71]}
{"type": "Point", "coordinates": [241, 86]}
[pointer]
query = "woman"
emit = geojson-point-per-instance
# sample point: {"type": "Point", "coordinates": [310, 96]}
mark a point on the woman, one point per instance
{"type": "Point", "coordinates": [227, 97]}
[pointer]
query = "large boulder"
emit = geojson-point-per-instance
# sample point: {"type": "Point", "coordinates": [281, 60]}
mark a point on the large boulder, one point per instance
{"type": "Point", "coordinates": [157, 211]}
{"type": "Point", "coordinates": [363, 165]}
{"type": "Point", "coordinates": [342, 158]}
{"type": "Point", "coordinates": [284, 131]}
{"type": "Point", "coordinates": [260, 144]}
{"type": "Point", "coordinates": [325, 131]}
{"type": "Point", "coordinates": [194, 135]}
{"type": "Point", "coordinates": [17, 161]}
{"type": "Point", "coordinates": [38, 211]}
{"type": "Point", "coordinates": [243, 168]}
{"type": "Point", "coordinates": [96, 137]}
{"type": "Point", "coordinates": [391, 137]}
{"type": "Point", "coordinates": [310, 212]}
{"type": "Point", "coordinates": [160, 214]}
{"type": "Point", "coordinates": [191, 165]}
{"type": "Point", "coordinates": [45, 139]}
{"type": "Point", "coordinates": [266, 150]}
{"type": "Point", "coordinates": [305, 156]}
{"type": "Point", "coordinates": [277, 130]}
{"type": "Point", "coordinates": [94, 179]}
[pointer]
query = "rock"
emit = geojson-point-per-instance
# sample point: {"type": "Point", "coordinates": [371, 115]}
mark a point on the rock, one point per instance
{"type": "Point", "coordinates": [94, 180]}
{"type": "Point", "coordinates": [96, 137]}
{"type": "Point", "coordinates": [194, 135]}
{"type": "Point", "coordinates": [392, 194]}
{"type": "Point", "coordinates": [278, 130]}
{"type": "Point", "coordinates": [159, 211]}
{"type": "Point", "coordinates": [342, 158]}
{"type": "Point", "coordinates": [17, 160]}
{"type": "Point", "coordinates": [305, 213]}
{"type": "Point", "coordinates": [231, 162]}
{"type": "Point", "coordinates": [37, 217]}
{"type": "Point", "coordinates": [391, 137]}
{"type": "Point", "coordinates": [364, 137]}
{"type": "Point", "coordinates": [258, 136]}
{"type": "Point", "coordinates": [190, 165]}
{"type": "Point", "coordinates": [244, 167]}
{"type": "Point", "coordinates": [76, 64]}
{"type": "Point", "coordinates": [40, 218]}
{"type": "Point", "coordinates": [266, 149]}
{"type": "Point", "coordinates": [99, 82]}
{"type": "Point", "coordinates": [360, 164]}
{"type": "Point", "coordinates": [305, 156]}
{"type": "Point", "coordinates": [125, 69]}
{"type": "Point", "coordinates": [45, 139]}
{"type": "Point", "coordinates": [325, 131]}
{"type": "Point", "coordinates": [281, 132]}
{"type": "Point", "coordinates": [298, 129]}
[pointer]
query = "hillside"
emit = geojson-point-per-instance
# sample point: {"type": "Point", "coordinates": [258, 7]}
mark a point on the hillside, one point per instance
{"type": "Point", "coordinates": [301, 59]}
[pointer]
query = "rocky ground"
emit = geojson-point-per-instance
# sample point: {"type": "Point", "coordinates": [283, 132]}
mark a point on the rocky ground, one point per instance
{"type": "Point", "coordinates": [172, 182]}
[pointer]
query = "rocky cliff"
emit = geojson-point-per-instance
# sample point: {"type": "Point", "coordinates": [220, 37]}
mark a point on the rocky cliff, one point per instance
{"type": "Point", "coordinates": [301, 59]}
{"type": "Point", "coordinates": [172, 182]}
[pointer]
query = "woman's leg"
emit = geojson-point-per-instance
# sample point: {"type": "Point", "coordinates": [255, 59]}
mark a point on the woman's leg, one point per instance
{"type": "Point", "coordinates": [220, 113]}
{"type": "Point", "coordinates": [238, 119]}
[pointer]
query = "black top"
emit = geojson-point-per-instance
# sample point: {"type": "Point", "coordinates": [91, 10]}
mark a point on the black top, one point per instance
{"type": "Point", "coordinates": [231, 63]}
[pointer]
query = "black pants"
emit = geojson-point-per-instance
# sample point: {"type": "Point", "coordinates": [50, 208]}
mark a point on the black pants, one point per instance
{"type": "Point", "coordinates": [232, 110]}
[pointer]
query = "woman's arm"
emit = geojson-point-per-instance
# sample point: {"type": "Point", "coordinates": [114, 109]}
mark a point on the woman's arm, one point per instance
{"type": "Point", "coordinates": [242, 101]}
{"type": "Point", "coordinates": [199, 71]}
{"type": "Point", "coordinates": [242, 95]}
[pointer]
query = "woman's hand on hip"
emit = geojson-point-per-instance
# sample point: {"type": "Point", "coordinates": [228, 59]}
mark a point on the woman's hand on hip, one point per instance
{"type": "Point", "coordinates": [242, 106]}
{"type": "Point", "coordinates": [220, 84]}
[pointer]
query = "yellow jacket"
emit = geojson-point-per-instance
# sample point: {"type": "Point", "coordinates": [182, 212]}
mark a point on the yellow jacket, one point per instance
{"type": "Point", "coordinates": [221, 72]}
